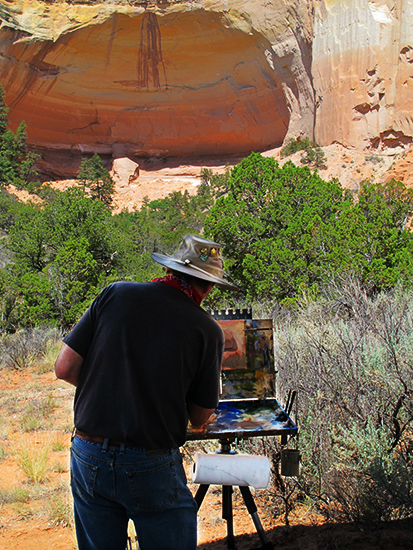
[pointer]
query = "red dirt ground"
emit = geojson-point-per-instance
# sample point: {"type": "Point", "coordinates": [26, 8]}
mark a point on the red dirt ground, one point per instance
{"type": "Point", "coordinates": [26, 526]}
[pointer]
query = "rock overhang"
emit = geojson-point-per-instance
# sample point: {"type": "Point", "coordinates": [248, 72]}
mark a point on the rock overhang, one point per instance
{"type": "Point", "coordinates": [207, 77]}
{"type": "Point", "coordinates": [146, 83]}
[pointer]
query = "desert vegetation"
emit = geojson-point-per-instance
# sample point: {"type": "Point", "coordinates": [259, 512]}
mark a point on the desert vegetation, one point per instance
{"type": "Point", "coordinates": [285, 233]}
{"type": "Point", "coordinates": [349, 357]}
{"type": "Point", "coordinates": [312, 154]}
{"type": "Point", "coordinates": [332, 267]}
{"type": "Point", "coordinates": [35, 428]}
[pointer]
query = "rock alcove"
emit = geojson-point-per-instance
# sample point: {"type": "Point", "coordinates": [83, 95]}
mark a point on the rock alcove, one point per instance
{"type": "Point", "coordinates": [173, 84]}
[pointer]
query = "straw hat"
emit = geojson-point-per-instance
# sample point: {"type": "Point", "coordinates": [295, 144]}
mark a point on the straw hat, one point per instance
{"type": "Point", "coordinates": [197, 257]}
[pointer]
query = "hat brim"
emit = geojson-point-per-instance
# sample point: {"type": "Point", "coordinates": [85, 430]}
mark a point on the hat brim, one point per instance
{"type": "Point", "coordinates": [177, 265]}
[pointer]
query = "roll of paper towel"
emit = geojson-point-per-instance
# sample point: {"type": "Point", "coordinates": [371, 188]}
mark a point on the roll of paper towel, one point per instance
{"type": "Point", "coordinates": [231, 469]}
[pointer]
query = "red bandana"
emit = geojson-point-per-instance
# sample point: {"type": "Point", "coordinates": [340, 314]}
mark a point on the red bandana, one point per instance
{"type": "Point", "coordinates": [182, 284]}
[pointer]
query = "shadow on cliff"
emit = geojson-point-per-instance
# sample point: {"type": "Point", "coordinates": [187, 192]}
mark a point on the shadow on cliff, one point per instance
{"type": "Point", "coordinates": [155, 163]}
{"type": "Point", "coordinates": [329, 536]}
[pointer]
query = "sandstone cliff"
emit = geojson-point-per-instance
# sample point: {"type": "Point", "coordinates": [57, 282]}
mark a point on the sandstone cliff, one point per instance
{"type": "Point", "coordinates": [207, 77]}
{"type": "Point", "coordinates": [363, 72]}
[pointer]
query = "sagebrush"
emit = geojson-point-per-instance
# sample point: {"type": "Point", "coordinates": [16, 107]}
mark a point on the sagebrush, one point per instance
{"type": "Point", "coordinates": [350, 359]}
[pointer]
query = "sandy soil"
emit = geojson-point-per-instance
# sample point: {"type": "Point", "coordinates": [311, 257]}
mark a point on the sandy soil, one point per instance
{"type": "Point", "coordinates": [35, 516]}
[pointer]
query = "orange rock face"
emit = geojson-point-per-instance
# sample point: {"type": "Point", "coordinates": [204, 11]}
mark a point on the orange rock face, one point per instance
{"type": "Point", "coordinates": [190, 78]}
{"type": "Point", "coordinates": [178, 83]}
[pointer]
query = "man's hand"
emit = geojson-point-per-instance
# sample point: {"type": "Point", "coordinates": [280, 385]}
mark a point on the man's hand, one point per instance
{"type": "Point", "coordinates": [68, 365]}
{"type": "Point", "coordinates": [198, 416]}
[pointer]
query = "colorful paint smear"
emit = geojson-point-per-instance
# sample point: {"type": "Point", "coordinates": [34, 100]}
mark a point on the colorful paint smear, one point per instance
{"type": "Point", "coordinates": [246, 418]}
{"type": "Point", "coordinates": [248, 362]}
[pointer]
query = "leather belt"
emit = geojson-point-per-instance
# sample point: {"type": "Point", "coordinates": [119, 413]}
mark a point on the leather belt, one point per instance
{"type": "Point", "coordinates": [115, 443]}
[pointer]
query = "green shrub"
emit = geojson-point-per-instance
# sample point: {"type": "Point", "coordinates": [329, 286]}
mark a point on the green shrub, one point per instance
{"type": "Point", "coordinates": [313, 154]}
{"type": "Point", "coordinates": [294, 145]}
{"type": "Point", "coordinates": [315, 157]}
{"type": "Point", "coordinates": [374, 159]}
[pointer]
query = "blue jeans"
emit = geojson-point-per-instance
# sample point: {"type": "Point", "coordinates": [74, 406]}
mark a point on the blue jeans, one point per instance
{"type": "Point", "coordinates": [111, 485]}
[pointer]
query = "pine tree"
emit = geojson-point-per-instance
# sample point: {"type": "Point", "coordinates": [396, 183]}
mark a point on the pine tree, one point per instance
{"type": "Point", "coordinates": [97, 179]}
{"type": "Point", "coordinates": [4, 122]}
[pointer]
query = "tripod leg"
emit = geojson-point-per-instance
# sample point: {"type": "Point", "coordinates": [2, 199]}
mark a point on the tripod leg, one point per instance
{"type": "Point", "coordinates": [227, 515]}
{"type": "Point", "coordinates": [252, 509]}
{"type": "Point", "coordinates": [200, 494]}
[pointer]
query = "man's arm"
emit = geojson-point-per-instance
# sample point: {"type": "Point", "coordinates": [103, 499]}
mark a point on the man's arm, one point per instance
{"type": "Point", "coordinates": [68, 365]}
{"type": "Point", "coordinates": [198, 416]}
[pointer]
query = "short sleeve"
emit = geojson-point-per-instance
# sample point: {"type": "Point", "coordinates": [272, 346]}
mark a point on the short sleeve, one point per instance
{"type": "Point", "coordinates": [80, 338]}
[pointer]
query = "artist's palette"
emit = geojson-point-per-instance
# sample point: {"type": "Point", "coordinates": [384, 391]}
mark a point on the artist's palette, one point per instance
{"type": "Point", "coordinates": [243, 418]}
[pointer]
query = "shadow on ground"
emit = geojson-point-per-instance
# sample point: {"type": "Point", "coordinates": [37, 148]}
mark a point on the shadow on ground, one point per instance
{"type": "Point", "coordinates": [395, 535]}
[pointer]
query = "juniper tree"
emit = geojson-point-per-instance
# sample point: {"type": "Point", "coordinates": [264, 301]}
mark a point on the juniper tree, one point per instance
{"type": "Point", "coordinates": [97, 179]}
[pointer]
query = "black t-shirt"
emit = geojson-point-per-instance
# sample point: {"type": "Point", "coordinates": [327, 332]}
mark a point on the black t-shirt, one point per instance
{"type": "Point", "coordinates": [147, 348]}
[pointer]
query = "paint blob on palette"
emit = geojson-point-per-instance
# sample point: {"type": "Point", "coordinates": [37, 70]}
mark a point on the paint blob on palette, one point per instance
{"type": "Point", "coordinates": [248, 363]}
{"type": "Point", "coordinates": [246, 418]}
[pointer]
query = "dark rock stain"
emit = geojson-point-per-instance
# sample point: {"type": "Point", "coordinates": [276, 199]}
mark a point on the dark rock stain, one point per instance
{"type": "Point", "coordinates": [150, 53]}
{"type": "Point", "coordinates": [36, 68]}
{"type": "Point", "coordinates": [115, 20]}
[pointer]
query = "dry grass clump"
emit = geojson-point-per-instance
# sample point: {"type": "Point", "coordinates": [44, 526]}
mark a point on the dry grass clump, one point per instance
{"type": "Point", "coordinates": [32, 460]}
{"type": "Point", "coordinates": [17, 494]}
{"type": "Point", "coordinates": [59, 507]}
{"type": "Point", "coordinates": [28, 346]}
{"type": "Point", "coordinates": [36, 414]}
{"type": "Point", "coordinates": [50, 352]}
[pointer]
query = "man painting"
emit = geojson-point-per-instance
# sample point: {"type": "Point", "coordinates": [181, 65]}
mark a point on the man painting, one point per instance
{"type": "Point", "coordinates": [144, 358]}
